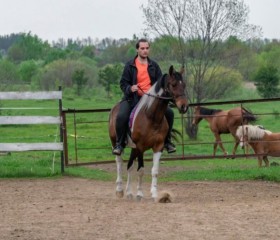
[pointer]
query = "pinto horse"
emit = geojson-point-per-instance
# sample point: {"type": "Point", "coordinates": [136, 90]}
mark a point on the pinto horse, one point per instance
{"type": "Point", "coordinates": [264, 142]}
{"type": "Point", "coordinates": [149, 129]}
{"type": "Point", "coordinates": [223, 122]}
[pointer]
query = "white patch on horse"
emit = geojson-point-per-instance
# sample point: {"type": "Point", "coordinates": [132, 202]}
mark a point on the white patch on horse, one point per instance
{"type": "Point", "coordinates": [146, 101]}
{"type": "Point", "coordinates": [253, 131]}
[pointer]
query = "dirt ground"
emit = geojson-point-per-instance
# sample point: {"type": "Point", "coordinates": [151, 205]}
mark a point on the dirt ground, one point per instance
{"type": "Point", "coordinates": [81, 209]}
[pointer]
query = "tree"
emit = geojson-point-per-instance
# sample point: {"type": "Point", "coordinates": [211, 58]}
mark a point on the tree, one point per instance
{"type": "Point", "coordinates": [89, 51]}
{"type": "Point", "coordinates": [79, 78]}
{"type": "Point", "coordinates": [27, 69]}
{"type": "Point", "coordinates": [60, 72]}
{"type": "Point", "coordinates": [267, 80]}
{"type": "Point", "coordinates": [28, 47]}
{"type": "Point", "coordinates": [202, 24]}
{"type": "Point", "coordinates": [8, 74]}
{"type": "Point", "coordinates": [110, 75]}
{"type": "Point", "coordinates": [200, 27]}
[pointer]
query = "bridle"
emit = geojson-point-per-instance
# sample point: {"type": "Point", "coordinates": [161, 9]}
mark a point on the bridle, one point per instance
{"type": "Point", "coordinates": [156, 96]}
{"type": "Point", "coordinates": [166, 90]}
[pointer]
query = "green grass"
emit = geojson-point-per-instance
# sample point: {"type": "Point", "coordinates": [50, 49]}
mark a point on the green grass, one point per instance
{"type": "Point", "coordinates": [224, 170]}
{"type": "Point", "coordinates": [93, 144]}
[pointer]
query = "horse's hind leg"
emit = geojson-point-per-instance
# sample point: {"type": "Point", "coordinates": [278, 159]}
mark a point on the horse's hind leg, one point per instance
{"type": "Point", "coordinates": [133, 155]}
{"type": "Point", "coordinates": [140, 170]}
{"type": "Point", "coordinates": [128, 190]}
{"type": "Point", "coordinates": [119, 188]}
{"type": "Point", "coordinates": [235, 148]}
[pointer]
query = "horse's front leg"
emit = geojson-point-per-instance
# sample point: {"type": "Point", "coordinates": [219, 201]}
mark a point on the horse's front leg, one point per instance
{"type": "Point", "coordinates": [140, 194]}
{"type": "Point", "coordinates": [155, 170]}
{"type": "Point", "coordinates": [219, 142]}
{"type": "Point", "coordinates": [266, 161]}
{"type": "Point", "coordinates": [119, 188]}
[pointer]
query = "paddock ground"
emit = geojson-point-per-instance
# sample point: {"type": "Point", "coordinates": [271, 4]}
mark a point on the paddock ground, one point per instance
{"type": "Point", "coordinates": [74, 208]}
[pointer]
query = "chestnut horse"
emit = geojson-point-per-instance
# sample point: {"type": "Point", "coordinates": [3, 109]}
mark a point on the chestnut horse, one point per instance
{"type": "Point", "coordinates": [149, 128]}
{"type": "Point", "coordinates": [222, 122]}
{"type": "Point", "coordinates": [264, 142]}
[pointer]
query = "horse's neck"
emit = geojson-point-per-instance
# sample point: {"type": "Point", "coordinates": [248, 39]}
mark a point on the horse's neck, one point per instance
{"type": "Point", "coordinates": [156, 110]}
{"type": "Point", "coordinates": [153, 105]}
{"type": "Point", "coordinates": [209, 118]}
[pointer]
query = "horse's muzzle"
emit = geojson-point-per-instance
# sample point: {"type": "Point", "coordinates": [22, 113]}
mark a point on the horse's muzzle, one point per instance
{"type": "Point", "coordinates": [184, 108]}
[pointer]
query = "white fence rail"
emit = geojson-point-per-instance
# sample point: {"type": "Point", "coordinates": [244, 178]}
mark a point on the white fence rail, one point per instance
{"type": "Point", "coordinates": [26, 120]}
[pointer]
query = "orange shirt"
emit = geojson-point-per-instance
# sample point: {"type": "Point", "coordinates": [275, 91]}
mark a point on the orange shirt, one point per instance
{"type": "Point", "coordinates": [143, 78]}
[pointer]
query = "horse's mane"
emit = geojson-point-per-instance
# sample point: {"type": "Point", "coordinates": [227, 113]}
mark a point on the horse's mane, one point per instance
{"type": "Point", "coordinates": [209, 111]}
{"type": "Point", "coordinates": [161, 83]}
{"type": "Point", "coordinates": [248, 115]}
{"type": "Point", "coordinates": [254, 131]}
{"type": "Point", "coordinates": [156, 90]}
{"type": "Point", "coordinates": [148, 98]}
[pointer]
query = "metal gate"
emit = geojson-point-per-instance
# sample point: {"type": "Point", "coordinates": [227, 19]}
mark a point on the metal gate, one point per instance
{"type": "Point", "coordinates": [86, 139]}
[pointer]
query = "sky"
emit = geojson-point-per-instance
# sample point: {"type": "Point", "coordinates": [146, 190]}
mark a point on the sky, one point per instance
{"type": "Point", "coordinates": [98, 19]}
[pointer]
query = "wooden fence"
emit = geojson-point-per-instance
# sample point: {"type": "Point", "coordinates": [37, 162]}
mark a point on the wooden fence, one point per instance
{"type": "Point", "coordinates": [26, 120]}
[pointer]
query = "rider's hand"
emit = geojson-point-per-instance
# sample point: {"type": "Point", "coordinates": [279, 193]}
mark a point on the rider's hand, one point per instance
{"type": "Point", "coordinates": [134, 88]}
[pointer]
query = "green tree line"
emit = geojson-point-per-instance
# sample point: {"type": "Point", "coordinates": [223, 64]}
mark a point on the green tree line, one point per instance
{"type": "Point", "coordinates": [28, 61]}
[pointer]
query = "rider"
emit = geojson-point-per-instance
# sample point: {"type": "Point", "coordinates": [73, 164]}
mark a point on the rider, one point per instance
{"type": "Point", "coordinates": [138, 76]}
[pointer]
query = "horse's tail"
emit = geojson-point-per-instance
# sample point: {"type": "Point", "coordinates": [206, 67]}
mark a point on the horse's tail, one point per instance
{"type": "Point", "coordinates": [248, 116]}
{"type": "Point", "coordinates": [175, 133]}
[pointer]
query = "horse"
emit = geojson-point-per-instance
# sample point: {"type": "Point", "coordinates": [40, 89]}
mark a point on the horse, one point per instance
{"type": "Point", "coordinates": [264, 142]}
{"type": "Point", "coordinates": [149, 129]}
{"type": "Point", "coordinates": [223, 122]}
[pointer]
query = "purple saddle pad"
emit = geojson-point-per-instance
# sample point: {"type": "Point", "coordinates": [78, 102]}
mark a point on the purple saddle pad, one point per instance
{"type": "Point", "coordinates": [132, 116]}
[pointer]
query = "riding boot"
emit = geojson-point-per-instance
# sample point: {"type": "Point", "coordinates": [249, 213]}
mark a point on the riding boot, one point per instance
{"type": "Point", "coordinates": [168, 145]}
{"type": "Point", "coordinates": [121, 127]}
{"type": "Point", "coordinates": [120, 143]}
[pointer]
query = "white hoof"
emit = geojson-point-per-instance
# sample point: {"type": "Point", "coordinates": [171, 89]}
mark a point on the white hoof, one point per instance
{"type": "Point", "coordinates": [129, 196]}
{"type": "Point", "coordinates": [139, 198]}
{"type": "Point", "coordinates": [119, 194]}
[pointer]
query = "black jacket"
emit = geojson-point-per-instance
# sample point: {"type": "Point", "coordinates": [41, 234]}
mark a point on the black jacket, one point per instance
{"type": "Point", "coordinates": [129, 78]}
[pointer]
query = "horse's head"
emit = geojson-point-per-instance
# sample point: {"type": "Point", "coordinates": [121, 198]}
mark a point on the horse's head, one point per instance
{"type": "Point", "coordinates": [176, 88]}
{"type": "Point", "coordinates": [242, 135]}
{"type": "Point", "coordinates": [196, 115]}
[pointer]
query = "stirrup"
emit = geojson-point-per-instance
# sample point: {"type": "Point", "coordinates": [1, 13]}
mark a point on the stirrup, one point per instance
{"type": "Point", "coordinates": [170, 147]}
{"type": "Point", "coordinates": [117, 150]}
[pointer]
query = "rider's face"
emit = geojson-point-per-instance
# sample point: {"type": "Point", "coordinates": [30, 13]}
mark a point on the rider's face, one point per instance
{"type": "Point", "coordinates": [143, 50]}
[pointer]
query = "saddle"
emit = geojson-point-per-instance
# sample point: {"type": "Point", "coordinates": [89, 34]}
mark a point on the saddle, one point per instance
{"type": "Point", "coordinates": [128, 140]}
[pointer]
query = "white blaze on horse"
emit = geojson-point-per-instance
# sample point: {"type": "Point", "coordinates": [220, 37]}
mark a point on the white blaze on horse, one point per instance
{"type": "Point", "coordinates": [264, 142]}
{"type": "Point", "coordinates": [149, 128]}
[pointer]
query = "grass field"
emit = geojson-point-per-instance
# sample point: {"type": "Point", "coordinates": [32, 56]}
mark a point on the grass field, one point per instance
{"type": "Point", "coordinates": [89, 135]}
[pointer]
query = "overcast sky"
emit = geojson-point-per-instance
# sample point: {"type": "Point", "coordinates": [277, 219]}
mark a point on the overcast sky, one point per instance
{"type": "Point", "coordinates": [54, 19]}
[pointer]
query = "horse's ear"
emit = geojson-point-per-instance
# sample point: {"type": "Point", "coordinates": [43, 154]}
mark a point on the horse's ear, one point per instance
{"type": "Point", "coordinates": [171, 70]}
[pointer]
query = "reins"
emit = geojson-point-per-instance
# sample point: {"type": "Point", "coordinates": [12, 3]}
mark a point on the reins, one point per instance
{"type": "Point", "coordinates": [155, 96]}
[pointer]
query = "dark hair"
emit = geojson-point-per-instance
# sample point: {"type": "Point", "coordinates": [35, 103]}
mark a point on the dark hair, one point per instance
{"type": "Point", "coordinates": [141, 40]}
